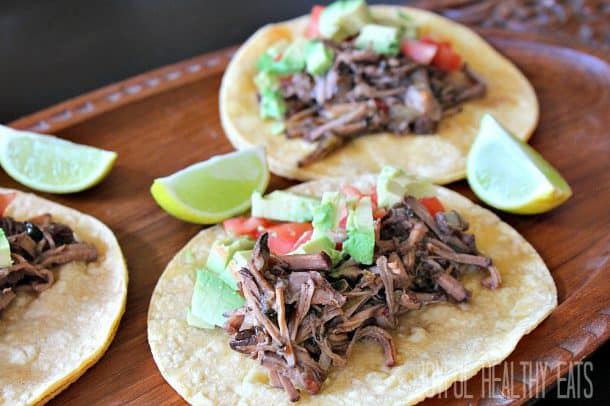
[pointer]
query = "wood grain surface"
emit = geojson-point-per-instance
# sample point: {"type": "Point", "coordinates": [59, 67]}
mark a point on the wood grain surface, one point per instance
{"type": "Point", "coordinates": [165, 120]}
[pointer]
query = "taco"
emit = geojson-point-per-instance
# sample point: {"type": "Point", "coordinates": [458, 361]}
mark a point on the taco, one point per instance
{"type": "Point", "coordinates": [63, 285]}
{"type": "Point", "coordinates": [305, 311]}
{"type": "Point", "coordinates": [384, 85]}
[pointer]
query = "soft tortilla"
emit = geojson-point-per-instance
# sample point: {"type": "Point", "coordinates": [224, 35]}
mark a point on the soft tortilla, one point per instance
{"type": "Point", "coordinates": [437, 346]}
{"type": "Point", "coordinates": [440, 157]}
{"type": "Point", "coordinates": [49, 340]}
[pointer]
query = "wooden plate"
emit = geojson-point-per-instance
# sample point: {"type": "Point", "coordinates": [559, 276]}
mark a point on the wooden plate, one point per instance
{"type": "Point", "coordinates": [161, 121]}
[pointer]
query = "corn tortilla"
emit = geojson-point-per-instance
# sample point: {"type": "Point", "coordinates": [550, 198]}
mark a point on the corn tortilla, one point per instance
{"type": "Point", "coordinates": [436, 346]}
{"type": "Point", "coordinates": [441, 157]}
{"type": "Point", "coordinates": [49, 340]}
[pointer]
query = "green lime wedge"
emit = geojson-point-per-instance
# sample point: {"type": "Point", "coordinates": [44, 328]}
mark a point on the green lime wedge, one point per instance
{"type": "Point", "coordinates": [213, 190]}
{"type": "Point", "coordinates": [50, 164]}
{"type": "Point", "coordinates": [509, 175]}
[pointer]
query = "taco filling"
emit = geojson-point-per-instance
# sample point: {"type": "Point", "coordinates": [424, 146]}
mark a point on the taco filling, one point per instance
{"type": "Point", "coordinates": [296, 288]}
{"type": "Point", "coordinates": [356, 76]}
{"type": "Point", "coordinates": [31, 249]}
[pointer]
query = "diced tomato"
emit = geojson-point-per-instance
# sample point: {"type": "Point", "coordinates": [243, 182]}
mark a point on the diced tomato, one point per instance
{"type": "Point", "coordinates": [432, 204]}
{"type": "Point", "coordinates": [313, 29]}
{"type": "Point", "coordinates": [283, 237]}
{"type": "Point", "coordinates": [343, 218]}
{"type": "Point", "coordinates": [5, 200]}
{"type": "Point", "coordinates": [418, 50]}
{"type": "Point", "coordinates": [447, 59]}
{"type": "Point", "coordinates": [278, 57]}
{"type": "Point", "coordinates": [350, 191]}
{"type": "Point", "coordinates": [306, 236]}
{"type": "Point", "coordinates": [249, 226]}
{"type": "Point", "coordinates": [381, 105]}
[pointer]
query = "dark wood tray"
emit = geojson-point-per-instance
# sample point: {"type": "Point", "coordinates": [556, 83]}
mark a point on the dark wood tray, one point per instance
{"type": "Point", "coordinates": [166, 119]}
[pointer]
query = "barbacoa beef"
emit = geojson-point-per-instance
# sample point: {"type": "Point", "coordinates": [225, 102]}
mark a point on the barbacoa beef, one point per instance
{"type": "Point", "coordinates": [301, 317]}
{"type": "Point", "coordinates": [366, 93]}
{"type": "Point", "coordinates": [37, 246]}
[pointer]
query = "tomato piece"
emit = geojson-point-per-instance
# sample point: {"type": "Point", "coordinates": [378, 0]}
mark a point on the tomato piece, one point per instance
{"type": "Point", "coordinates": [5, 200]}
{"type": "Point", "coordinates": [350, 191]}
{"type": "Point", "coordinates": [248, 226]}
{"type": "Point", "coordinates": [420, 51]}
{"type": "Point", "coordinates": [313, 29]}
{"type": "Point", "coordinates": [283, 237]}
{"type": "Point", "coordinates": [306, 236]}
{"type": "Point", "coordinates": [432, 204]}
{"type": "Point", "coordinates": [446, 58]}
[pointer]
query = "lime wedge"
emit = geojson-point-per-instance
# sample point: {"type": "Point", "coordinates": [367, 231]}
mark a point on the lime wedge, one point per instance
{"type": "Point", "coordinates": [213, 190]}
{"type": "Point", "coordinates": [509, 175]}
{"type": "Point", "coordinates": [50, 164]}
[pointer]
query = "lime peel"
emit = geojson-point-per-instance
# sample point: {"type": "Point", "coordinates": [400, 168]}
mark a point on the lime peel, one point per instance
{"type": "Point", "coordinates": [50, 164]}
{"type": "Point", "coordinates": [509, 175]}
{"type": "Point", "coordinates": [213, 190]}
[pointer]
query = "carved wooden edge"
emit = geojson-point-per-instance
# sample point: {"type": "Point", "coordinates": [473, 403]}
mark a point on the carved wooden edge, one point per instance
{"type": "Point", "coordinates": [107, 98]}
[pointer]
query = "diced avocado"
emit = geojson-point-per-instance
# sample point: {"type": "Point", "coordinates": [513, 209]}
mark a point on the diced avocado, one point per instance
{"type": "Point", "coordinates": [266, 61]}
{"type": "Point", "coordinates": [284, 206]}
{"type": "Point", "coordinates": [360, 241]}
{"type": "Point", "coordinates": [195, 321]}
{"type": "Point", "coordinates": [327, 215]}
{"type": "Point", "coordinates": [267, 81]}
{"type": "Point", "coordinates": [272, 105]}
{"type": "Point", "coordinates": [211, 298]}
{"type": "Point", "coordinates": [221, 253]}
{"type": "Point", "coordinates": [5, 251]}
{"type": "Point", "coordinates": [394, 183]}
{"type": "Point", "coordinates": [319, 58]}
{"type": "Point", "coordinates": [320, 244]}
{"type": "Point", "coordinates": [283, 61]}
{"type": "Point", "coordinates": [240, 260]}
{"type": "Point", "coordinates": [382, 39]}
{"type": "Point", "coordinates": [344, 18]}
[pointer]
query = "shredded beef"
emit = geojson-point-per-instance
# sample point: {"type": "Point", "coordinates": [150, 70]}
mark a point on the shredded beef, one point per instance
{"type": "Point", "coordinates": [301, 317]}
{"type": "Point", "coordinates": [375, 93]}
{"type": "Point", "coordinates": [37, 246]}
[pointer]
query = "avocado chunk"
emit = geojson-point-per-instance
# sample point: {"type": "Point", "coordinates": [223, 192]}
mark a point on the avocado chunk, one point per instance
{"type": "Point", "coordinates": [5, 251]}
{"type": "Point", "coordinates": [344, 18]}
{"type": "Point", "coordinates": [284, 60]}
{"type": "Point", "coordinates": [319, 58]}
{"type": "Point", "coordinates": [222, 252]}
{"type": "Point", "coordinates": [272, 105]}
{"type": "Point", "coordinates": [267, 81]}
{"type": "Point", "coordinates": [325, 218]}
{"type": "Point", "coordinates": [240, 260]}
{"type": "Point", "coordinates": [327, 215]}
{"type": "Point", "coordinates": [211, 299]}
{"type": "Point", "coordinates": [320, 243]}
{"type": "Point", "coordinates": [284, 206]}
{"type": "Point", "coordinates": [382, 39]}
{"type": "Point", "coordinates": [360, 242]}
{"type": "Point", "coordinates": [393, 184]}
